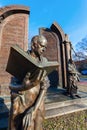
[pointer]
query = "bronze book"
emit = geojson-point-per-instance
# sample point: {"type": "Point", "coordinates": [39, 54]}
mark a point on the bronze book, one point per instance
{"type": "Point", "coordinates": [20, 62]}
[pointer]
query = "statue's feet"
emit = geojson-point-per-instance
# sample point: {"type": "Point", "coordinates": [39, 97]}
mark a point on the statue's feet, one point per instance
{"type": "Point", "coordinates": [74, 96]}
{"type": "Point", "coordinates": [78, 96]}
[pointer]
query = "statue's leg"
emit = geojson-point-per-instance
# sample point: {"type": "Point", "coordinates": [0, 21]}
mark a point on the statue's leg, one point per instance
{"type": "Point", "coordinates": [69, 87]}
{"type": "Point", "coordinates": [74, 85]}
{"type": "Point", "coordinates": [39, 117]}
{"type": "Point", "coordinates": [14, 117]}
{"type": "Point", "coordinates": [11, 125]}
{"type": "Point", "coordinates": [38, 121]}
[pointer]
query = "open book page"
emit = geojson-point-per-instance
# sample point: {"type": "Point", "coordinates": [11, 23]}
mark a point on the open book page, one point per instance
{"type": "Point", "coordinates": [20, 62]}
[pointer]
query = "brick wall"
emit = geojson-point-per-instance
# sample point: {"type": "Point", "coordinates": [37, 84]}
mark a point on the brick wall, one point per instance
{"type": "Point", "coordinates": [13, 30]}
{"type": "Point", "coordinates": [52, 49]}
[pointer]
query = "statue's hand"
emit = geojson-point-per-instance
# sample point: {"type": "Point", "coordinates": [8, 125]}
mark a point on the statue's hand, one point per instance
{"type": "Point", "coordinates": [37, 76]}
{"type": "Point", "coordinates": [31, 80]}
{"type": "Point", "coordinates": [34, 79]}
{"type": "Point", "coordinates": [27, 76]}
{"type": "Point", "coordinates": [26, 81]}
{"type": "Point", "coordinates": [45, 83]}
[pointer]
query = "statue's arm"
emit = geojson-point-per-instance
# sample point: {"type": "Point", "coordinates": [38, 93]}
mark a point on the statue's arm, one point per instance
{"type": "Point", "coordinates": [29, 81]}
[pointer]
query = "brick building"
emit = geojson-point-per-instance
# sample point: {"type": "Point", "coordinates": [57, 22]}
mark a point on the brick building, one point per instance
{"type": "Point", "coordinates": [81, 65]}
{"type": "Point", "coordinates": [13, 30]}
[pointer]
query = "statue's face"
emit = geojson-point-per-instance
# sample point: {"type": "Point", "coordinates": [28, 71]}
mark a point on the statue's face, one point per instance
{"type": "Point", "coordinates": [39, 44]}
{"type": "Point", "coordinates": [41, 47]}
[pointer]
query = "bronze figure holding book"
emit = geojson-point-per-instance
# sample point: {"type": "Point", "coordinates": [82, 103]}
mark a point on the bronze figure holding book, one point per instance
{"type": "Point", "coordinates": [29, 85]}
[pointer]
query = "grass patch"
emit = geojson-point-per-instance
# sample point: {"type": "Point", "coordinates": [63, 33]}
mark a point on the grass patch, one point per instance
{"type": "Point", "coordinates": [73, 121]}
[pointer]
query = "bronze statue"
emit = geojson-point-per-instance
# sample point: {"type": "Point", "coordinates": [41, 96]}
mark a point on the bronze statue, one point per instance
{"type": "Point", "coordinates": [27, 98]}
{"type": "Point", "coordinates": [73, 77]}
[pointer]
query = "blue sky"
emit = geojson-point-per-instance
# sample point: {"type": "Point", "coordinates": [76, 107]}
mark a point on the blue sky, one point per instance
{"type": "Point", "coordinates": [71, 15]}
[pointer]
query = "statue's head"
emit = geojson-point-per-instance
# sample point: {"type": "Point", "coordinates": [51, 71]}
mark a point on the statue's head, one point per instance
{"type": "Point", "coordinates": [39, 44]}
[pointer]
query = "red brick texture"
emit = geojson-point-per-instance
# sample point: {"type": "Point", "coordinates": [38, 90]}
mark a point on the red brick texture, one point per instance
{"type": "Point", "coordinates": [13, 30]}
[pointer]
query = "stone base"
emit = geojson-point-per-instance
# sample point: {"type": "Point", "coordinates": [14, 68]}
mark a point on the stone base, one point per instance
{"type": "Point", "coordinates": [57, 103]}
